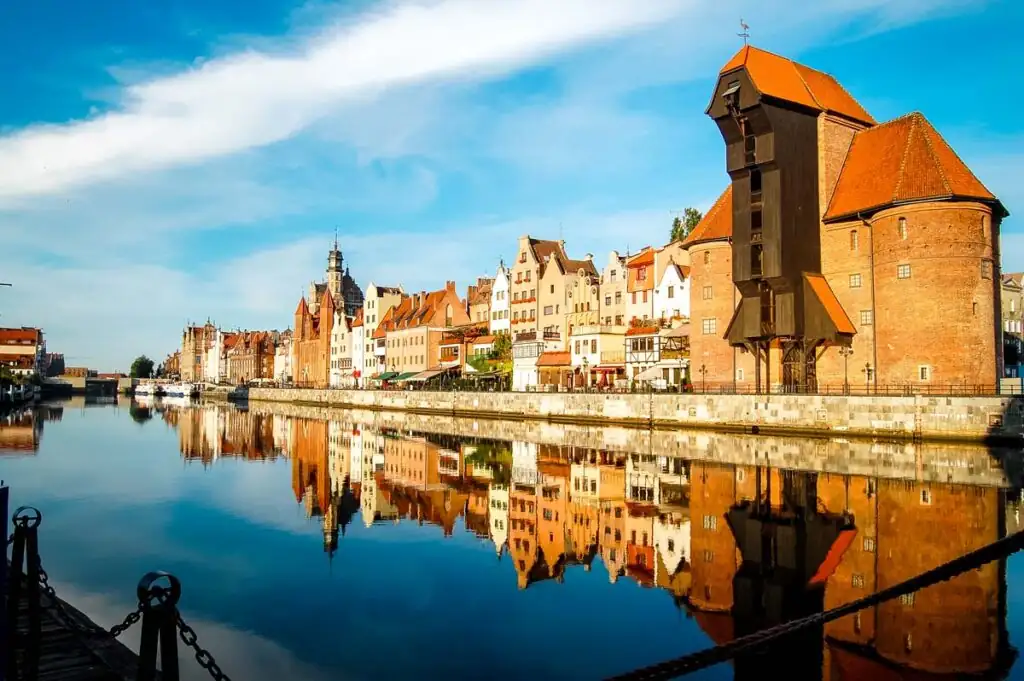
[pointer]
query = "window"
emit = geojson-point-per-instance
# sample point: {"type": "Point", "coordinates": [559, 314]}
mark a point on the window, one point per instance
{"type": "Point", "coordinates": [634, 297]}
{"type": "Point", "coordinates": [522, 257]}
{"type": "Point", "coordinates": [869, 544]}
{"type": "Point", "coordinates": [709, 326]}
{"type": "Point", "coordinates": [974, 309]}
{"type": "Point", "coordinates": [865, 317]}
{"type": "Point", "coordinates": [613, 275]}
{"type": "Point", "coordinates": [926, 497]}
{"type": "Point", "coordinates": [755, 185]}
{"type": "Point", "coordinates": [756, 260]}
{"type": "Point", "coordinates": [707, 257]}
{"type": "Point", "coordinates": [855, 280]}
{"type": "Point", "coordinates": [577, 347]}
{"type": "Point", "coordinates": [749, 142]}
{"type": "Point", "coordinates": [618, 297]}
{"type": "Point", "coordinates": [671, 546]}
{"type": "Point", "coordinates": [902, 228]}
{"type": "Point", "coordinates": [711, 522]}
{"type": "Point", "coordinates": [854, 241]}
{"type": "Point", "coordinates": [857, 581]}
{"type": "Point", "coordinates": [593, 345]}
{"type": "Point", "coordinates": [645, 296]}
{"type": "Point", "coordinates": [903, 271]}
{"type": "Point", "coordinates": [986, 269]}
{"type": "Point", "coordinates": [671, 291]}
{"type": "Point", "coordinates": [924, 372]}
{"type": "Point", "coordinates": [608, 300]}
{"type": "Point", "coordinates": [755, 220]}
{"type": "Point", "coordinates": [549, 309]}
{"type": "Point", "coordinates": [552, 288]}
{"type": "Point", "coordinates": [907, 600]}
{"type": "Point", "coordinates": [739, 374]}
{"type": "Point", "coordinates": [705, 293]}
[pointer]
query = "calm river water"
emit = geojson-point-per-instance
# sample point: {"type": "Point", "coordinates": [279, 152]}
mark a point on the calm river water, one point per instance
{"type": "Point", "coordinates": [351, 545]}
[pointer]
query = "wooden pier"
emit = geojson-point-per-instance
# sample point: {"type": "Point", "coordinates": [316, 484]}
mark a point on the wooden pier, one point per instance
{"type": "Point", "coordinates": [67, 653]}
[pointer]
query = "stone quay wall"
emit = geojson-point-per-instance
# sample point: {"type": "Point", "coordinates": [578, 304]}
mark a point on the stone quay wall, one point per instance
{"type": "Point", "coordinates": [963, 463]}
{"type": "Point", "coordinates": [976, 419]}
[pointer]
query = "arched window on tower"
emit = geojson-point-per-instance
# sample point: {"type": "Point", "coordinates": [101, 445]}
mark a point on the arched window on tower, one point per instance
{"type": "Point", "coordinates": [448, 316]}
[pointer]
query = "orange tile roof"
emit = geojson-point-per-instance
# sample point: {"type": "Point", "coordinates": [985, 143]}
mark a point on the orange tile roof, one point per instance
{"type": "Point", "coordinates": [641, 330]}
{"type": "Point", "coordinates": [644, 257]}
{"type": "Point", "coordinates": [716, 223]}
{"type": "Point", "coordinates": [831, 304]}
{"type": "Point", "coordinates": [302, 309]}
{"type": "Point", "coordinates": [784, 79]}
{"type": "Point", "coordinates": [554, 359]}
{"type": "Point", "coordinates": [899, 161]}
{"type": "Point", "coordinates": [358, 319]}
{"type": "Point", "coordinates": [483, 340]}
{"type": "Point", "coordinates": [20, 335]}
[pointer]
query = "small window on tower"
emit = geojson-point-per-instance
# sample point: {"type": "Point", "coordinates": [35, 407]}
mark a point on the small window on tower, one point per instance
{"type": "Point", "coordinates": [755, 220]}
{"type": "Point", "coordinates": [903, 228]}
{"type": "Point", "coordinates": [755, 185]}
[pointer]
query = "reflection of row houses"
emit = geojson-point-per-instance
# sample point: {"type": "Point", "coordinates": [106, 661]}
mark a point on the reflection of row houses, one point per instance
{"type": "Point", "coordinates": [524, 463]}
{"type": "Point", "coordinates": [649, 476]}
{"type": "Point", "coordinates": [497, 504]}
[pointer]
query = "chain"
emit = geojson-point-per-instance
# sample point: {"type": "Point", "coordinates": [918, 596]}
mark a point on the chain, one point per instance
{"type": "Point", "coordinates": [75, 622]}
{"type": "Point", "coordinates": [203, 656]}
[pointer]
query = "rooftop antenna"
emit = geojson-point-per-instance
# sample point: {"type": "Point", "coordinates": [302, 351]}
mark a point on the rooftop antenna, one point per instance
{"type": "Point", "coordinates": [744, 31]}
{"type": "Point", "coordinates": [335, 238]}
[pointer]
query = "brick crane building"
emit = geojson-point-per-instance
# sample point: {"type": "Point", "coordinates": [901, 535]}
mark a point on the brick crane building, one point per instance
{"type": "Point", "coordinates": [845, 233]}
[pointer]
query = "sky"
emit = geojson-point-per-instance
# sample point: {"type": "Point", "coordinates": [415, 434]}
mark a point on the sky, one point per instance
{"type": "Point", "coordinates": [179, 160]}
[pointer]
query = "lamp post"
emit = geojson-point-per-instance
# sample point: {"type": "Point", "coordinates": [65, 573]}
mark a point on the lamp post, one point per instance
{"type": "Point", "coordinates": [867, 376]}
{"type": "Point", "coordinates": [586, 374]}
{"type": "Point", "coordinates": [703, 378]}
{"type": "Point", "coordinates": [845, 353]}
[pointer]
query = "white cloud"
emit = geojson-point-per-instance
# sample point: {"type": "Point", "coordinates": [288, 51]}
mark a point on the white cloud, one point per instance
{"type": "Point", "coordinates": [252, 99]}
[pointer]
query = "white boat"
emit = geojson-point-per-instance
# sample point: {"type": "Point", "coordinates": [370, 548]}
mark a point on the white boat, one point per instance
{"type": "Point", "coordinates": [145, 390]}
{"type": "Point", "coordinates": [181, 389]}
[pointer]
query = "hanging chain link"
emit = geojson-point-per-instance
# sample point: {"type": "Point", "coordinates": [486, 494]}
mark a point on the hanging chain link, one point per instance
{"type": "Point", "coordinates": [203, 656]}
{"type": "Point", "coordinates": [75, 622]}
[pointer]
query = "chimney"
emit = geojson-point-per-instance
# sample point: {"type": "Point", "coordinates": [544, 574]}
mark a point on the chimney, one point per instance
{"type": "Point", "coordinates": [449, 285]}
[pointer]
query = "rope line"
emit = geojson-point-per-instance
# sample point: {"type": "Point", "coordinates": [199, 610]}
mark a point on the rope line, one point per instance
{"type": "Point", "coordinates": [692, 662]}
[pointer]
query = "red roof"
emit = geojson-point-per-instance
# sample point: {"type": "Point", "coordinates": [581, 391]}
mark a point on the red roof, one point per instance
{"type": "Point", "coordinates": [641, 330]}
{"type": "Point", "coordinates": [903, 160]}
{"type": "Point", "coordinates": [716, 223]}
{"type": "Point", "coordinates": [12, 336]}
{"type": "Point", "coordinates": [832, 306]}
{"type": "Point", "coordinates": [554, 359]}
{"type": "Point", "coordinates": [784, 79]}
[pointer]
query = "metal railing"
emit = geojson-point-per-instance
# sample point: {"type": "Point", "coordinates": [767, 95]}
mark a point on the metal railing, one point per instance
{"type": "Point", "coordinates": [158, 595]}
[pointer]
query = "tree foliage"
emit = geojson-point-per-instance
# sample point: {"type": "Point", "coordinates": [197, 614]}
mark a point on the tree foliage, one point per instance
{"type": "Point", "coordinates": [142, 367]}
{"type": "Point", "coordinates": [682, 226]}
{"type": "Point", "coordinates": [502, 348]}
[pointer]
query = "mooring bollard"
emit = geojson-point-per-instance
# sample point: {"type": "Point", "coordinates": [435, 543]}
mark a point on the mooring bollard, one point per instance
{"type": "Point", "coordinates": [24, 554]}
{"type": "Point", "coordinates": [158, 599]}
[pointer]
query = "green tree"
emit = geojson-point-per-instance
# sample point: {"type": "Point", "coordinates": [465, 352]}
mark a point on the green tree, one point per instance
{"type": "Point", "coordinates": [142, 367]}
{"type": "Point", "coordinates": [502, 348]}
{"type": "Point", "coordinates": [682, 226]}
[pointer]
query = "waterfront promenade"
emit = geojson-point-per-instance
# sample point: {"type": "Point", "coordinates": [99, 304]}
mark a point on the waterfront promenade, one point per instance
{"type": "Point", "coordinates": [997, 419]}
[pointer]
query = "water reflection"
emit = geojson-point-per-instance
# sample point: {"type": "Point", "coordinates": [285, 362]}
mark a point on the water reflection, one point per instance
{"type": "Point", "coordinates": [732, 534]}
{"type": "Point", "coordinates": [739, 547]}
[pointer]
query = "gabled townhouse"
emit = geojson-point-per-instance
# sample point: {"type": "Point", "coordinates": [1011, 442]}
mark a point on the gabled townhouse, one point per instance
{"type": "Point", "coordinates": [525, 281]}
{"type": "Point", "coordinates": [478, 300]}
{"type": "Point", "coordinates": [597, 354]}
{"type": "Point", "coordinates": [640, 286]}
{"type": "Point", "coordinates": [501, 321]}
{"type": "Point", "coordinates": [358, 349]}
{"type": "Point", "coordinates": [378, 301]}
{"type": "Point", "coordinates": [412, 331]}
{"type": "Point", "coordinates": [672, 294]}
{"type": "Point", "coordinates": [613, 292]}
{"type": "Point", "coordinates": [341, 352]}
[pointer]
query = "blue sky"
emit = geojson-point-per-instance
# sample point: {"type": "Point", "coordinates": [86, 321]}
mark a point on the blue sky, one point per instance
{"type": "Point", "coordinates": [178, 160]}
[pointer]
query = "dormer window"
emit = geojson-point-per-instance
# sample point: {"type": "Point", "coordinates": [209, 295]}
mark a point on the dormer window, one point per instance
{"type": "Point", "coordinates": [731, 95]}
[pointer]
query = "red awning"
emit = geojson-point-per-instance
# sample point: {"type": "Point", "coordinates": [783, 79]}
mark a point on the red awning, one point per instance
{"type": "Point", "coordinates": [834, 557]}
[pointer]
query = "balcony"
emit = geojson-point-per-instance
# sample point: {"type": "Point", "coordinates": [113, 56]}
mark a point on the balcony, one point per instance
{"type": "Point", "coordinates": [523, 336]}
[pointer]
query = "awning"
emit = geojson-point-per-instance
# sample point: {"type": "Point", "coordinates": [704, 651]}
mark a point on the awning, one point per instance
{"type": "Point", "coordinates": [386, 376]}
{"type": "Point", "coordinates": [426, 375]}
{"type": "Point", "coordinates": [404, 376]}
{"type": "Point", "coordinates": [650, 374]}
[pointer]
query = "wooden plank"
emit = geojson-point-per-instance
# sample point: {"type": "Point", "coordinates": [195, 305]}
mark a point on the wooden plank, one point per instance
{"type": "Point", "coordinates": [67, 654]}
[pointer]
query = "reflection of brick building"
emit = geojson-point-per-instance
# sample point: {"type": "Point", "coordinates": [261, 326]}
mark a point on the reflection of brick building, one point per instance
{"type": "Point", "coordinates": [712, 493]}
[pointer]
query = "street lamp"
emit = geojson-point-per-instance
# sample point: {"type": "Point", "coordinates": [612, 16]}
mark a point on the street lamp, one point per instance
{"type": "Point", "coordinates": [703, 378]}
{"type": "Point", "coordinates": [845, 353]}
{"type": "Point", "coordinates": [586, 374]}
{"type": "Point", "coordinates": [867, 376]}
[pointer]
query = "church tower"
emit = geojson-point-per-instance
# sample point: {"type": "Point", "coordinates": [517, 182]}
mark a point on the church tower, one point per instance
{"type": "Point", "coordinates": [335, 271]}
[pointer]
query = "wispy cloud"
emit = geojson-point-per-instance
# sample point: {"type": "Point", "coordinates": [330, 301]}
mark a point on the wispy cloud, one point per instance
{"type": "Point", "coordinates": [252, 99]}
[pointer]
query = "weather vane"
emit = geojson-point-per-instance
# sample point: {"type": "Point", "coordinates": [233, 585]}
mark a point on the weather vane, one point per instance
{"type": "Point", "coordinates": [745, 31]}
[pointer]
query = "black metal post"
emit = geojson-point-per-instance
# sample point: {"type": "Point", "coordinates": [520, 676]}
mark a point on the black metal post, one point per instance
{"type": "Point", "coordinates": [158, 598]}
{"type": "Point", "coordinates": [24, 554]}
{"type": "Point", "coordinates": [5, 650]}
